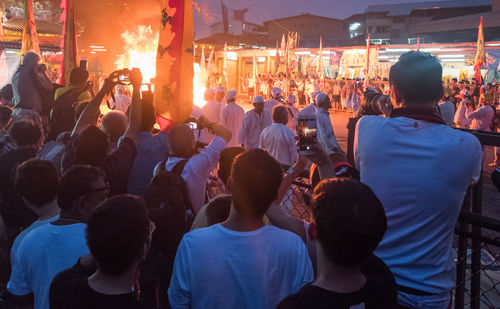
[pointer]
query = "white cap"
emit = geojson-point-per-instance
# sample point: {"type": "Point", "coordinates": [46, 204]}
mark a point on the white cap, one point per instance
{"type": "Point", "coordinates": [258, 99]}
{"type": "Point", "coordinates": [231, 95]}
{"type": "Point", "coordinates": [291, 99]}
{"type": "Point", "coordinates": [120, 87]}
{"type": "Point", "coordinates": [314, 95]}
{"type": "Point", "coordinates": [210, 93]}
{"type": "Point", "coordinates": [321, 97]}
{"type": "Point", "coordinates": [220, 89]}
{"type": "Point", "coordinates": [275, 92]}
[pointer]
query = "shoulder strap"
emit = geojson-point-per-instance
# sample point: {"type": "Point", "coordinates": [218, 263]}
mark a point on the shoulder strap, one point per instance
{"type": "Point", "coordinates": [290, 111]}
{"type": "Point", "coordinates": [179, 167]}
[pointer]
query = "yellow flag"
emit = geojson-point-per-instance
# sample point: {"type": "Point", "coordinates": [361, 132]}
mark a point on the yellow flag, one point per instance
{"type": "Point", "coordinates": [173, 97]}
{"type": "Point", "coordinates": [30, 38]}
{"type": "Point", "coordinates": [69, 40]}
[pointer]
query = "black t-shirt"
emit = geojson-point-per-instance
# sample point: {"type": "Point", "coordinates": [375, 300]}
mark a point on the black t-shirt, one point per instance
{"type": "Point", "coordinates": [378, 292]}
{"type": "Point", "coordinates": [70, 290]}
{"type": "Point", "coordinates": [117, 165]}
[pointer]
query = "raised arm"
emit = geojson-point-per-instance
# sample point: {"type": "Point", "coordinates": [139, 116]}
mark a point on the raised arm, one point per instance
{"type": "Point", "coordinates": [134, 125]}
{"type": "Point", "coordinates": [91, 111]}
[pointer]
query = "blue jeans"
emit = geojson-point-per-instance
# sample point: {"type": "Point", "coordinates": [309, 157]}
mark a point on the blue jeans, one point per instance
{"type": "Point", "coordinates": [424, 301]}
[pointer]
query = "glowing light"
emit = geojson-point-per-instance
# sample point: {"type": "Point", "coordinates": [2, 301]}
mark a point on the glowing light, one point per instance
{"type": "Point", "coordinates": [198, 88]}
{"type": "Point", "coordinates": [140, 51]}
{"type": "Point", "coordinates": [452, 56]}
{"type": "Point", "coordinates": [232, 56]}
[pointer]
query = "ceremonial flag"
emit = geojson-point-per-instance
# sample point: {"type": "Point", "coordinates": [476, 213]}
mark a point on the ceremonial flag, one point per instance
{"type": "Point", "coordinates": [418, 43]}
{"type": "Point", "coordinates": [367, 63]}
{"type": "Point", "coordinates": [480, 52]}
{"type": "Point", "coordinates": [224, 67]}
{"type": "Point", "coordinates": [225, 19]}
{"type": "Point", "coordinates": [69, 40]}
{"type": "Point", "coordinates": [320, 60]}
{"type": "Point", "coordinates": [254, 74]}
{"type": "Point", "coordinates": [30, 38]}
{"type": "Point", "coordinates": [278, 60]}
{"type": "Point", "coordinates": [1, 27]}
{"type": "Point", "coordinates": [203, 62]}
{"type": "Point", "coordinates": [283, 46]}
{"type": "Point", "coordinates": [173, 97]}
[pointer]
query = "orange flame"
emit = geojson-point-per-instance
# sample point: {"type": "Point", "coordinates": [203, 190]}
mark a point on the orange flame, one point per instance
{"type": "Point", "coordinates": [140, 52]}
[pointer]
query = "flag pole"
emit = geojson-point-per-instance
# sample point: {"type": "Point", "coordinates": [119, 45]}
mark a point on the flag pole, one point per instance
{"type": "Point", "coordinates": [480, 59]}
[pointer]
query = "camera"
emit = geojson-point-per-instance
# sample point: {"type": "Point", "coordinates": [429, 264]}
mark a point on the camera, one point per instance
{"type": "Point", "coordinates": [194, 124]}
{"type": "Point", "coordinates": [375, 103]}
{"type": "Point", "coordinates": [307, 134]}
{"type": "Point", "coordinates": [124, 76]}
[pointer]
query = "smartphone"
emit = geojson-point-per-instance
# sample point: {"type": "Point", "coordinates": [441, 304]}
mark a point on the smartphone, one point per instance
{"type": "Point", "coordinates": [193, 125]}
{"type": "Point", "coordinates": [306, 131]}
{"type": "Point", "coordinates": [83, 64]}
{"type": "Point", "coordinates": [124, 78]}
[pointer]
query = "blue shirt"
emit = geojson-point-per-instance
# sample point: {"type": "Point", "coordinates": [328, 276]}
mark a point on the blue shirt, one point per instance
{"type": "Point", "coordinates": [150, 150]}
{"type": "Point", "coordinates": [420, 171]}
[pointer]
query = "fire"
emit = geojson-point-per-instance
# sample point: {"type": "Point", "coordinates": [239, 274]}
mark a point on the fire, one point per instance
{"type": "Point", "coordinates": [140, 52]}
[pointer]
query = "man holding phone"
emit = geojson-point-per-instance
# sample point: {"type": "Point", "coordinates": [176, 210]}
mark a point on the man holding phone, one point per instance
{"type": "Point", "coordinates": [77, 83]}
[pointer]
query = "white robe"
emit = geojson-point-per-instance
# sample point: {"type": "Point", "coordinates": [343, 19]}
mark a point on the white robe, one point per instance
{"type": "Point", "coordinates": [279, 142]}
{"type": "Point", "coordinates": [232, 118]}
{"type": "Point", "coordinates": [252, 127]}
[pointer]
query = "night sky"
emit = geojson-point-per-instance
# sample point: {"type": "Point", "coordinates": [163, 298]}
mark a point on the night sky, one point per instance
{"type": "Point", "coordinates": [262, 10]}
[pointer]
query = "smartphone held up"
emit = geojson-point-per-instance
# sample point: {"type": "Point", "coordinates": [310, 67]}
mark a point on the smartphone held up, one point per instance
{"type": "Point", "coordinates": [307, 134]}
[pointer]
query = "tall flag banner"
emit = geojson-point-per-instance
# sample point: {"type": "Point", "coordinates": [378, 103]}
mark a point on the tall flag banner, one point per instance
{"type": "Point", "coordinates": [367, 63]}
{"type": "Point", "coordinates": [30, 38]}
{"type": "Point", "coordinates": [1, 27]}
{"type": "Point", "coordinates": [418, 43]}
{"type": "Point", "coordinates": [225, 18]}
{"type": "Point", "coordinates": [203, 61]}
{"type": "Point", "coordinates": [283, 46]}
{"type": "Point", "coordinates": [320, 60]}
{"type": "Point", "coordinates": [68, 47]}
{"type": "Point", "coordinates": [278, 59]}
{"type": "Point", "coordinates": [255, 74]}
{"type": "Point", "coordinates": [173, 98]}
{"type": "Point", "coordinates": [224, 67]}
{"type": "Point", "coordinates": [480, 52]}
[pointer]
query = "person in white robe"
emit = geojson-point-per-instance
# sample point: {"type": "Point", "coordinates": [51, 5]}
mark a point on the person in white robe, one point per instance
{"type": "Point", "coordinates": [232, 117]}
{"type": "Point", "coordinates": [255, 121]}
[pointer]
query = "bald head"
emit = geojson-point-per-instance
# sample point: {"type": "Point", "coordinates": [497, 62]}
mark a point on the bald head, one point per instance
{"type": "Point", "coordinates": [280, 114]}
{"type": "Point", "coordinates": [181, 140]}
{"type": "Point", "coordinates": [114, 124]}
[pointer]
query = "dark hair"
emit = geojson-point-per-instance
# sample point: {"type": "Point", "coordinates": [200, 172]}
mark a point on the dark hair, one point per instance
{"type": "Point", "coordinates": [350, 220]}
{"type": "Point", "coordinates": [256, 179]}
{"type": "Point", "coordinates": [77, 182]}
{"type": "Point", "coordinates": [7, 92]}
{"type": "Point", "coordinates": [418, 77]}
{"type": "Point", "coordinates": [78, 76]}
{"type": "Point", "coordinates": [24, 133]}
{"type": "Point", "coordinates": [5, 114]}
{"type": "Point", "coordinates": [167, 201]}
{"type": "Point", "coordinates": [226, 161]}
{"type": "Point", "coordinates": [37, 181]}
{"type": "Point", "coordinates": [117, 231]}
{"type": "Point", "coordinates": [92, 146]}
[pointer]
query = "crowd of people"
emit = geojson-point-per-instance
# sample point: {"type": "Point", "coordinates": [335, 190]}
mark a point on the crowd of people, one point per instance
{"type": "Point", "coordinates": [112, 212]}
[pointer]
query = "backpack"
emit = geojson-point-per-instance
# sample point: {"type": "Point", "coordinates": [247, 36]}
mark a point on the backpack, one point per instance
{"type": "Point", "coordinates": [62, 114]}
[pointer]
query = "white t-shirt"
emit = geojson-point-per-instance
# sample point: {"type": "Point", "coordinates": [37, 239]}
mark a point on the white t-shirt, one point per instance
{"type": "Point", "coordinates": [122, 102]}
{"type": "Point", "coordinates": [43, 254]}
{"type": "Point", "coordinates": [279, 141]}
{"type": "Point", "coordinates": [447, 112]}
{"type": "Point", "coordinates": [20, 237]}
{"type": "Point", "coordinates": [219, 268]}
{"type": "Point", "coordinates": [251, 128]}
{"type": "Point", "coordinates": [197, 170]}
{"type": "Point", "coordinates": [420, 171]}
{"type": "Point", "coordinates": [232, 118]}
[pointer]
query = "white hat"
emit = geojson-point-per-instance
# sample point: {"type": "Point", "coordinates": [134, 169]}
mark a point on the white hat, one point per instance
{"type": "Point", "coordinates": [120, 87]}
{"type": "Point", "coordinates": [220, 89]}
{"type": "Point", "coordinates": [275, 92]}
{"type": "Point", "coordinates": [314, 95]}
{"type": "Point", "coordinates": [210, 93]}
{"type": "Point", "coordinates": [321, 97]}
{"type": "Point", "coordinates": [291, 99]}
{"type": "Point", "coordinates": [231, 95]}
{"type": "Point", "coordinates": [258, 99]}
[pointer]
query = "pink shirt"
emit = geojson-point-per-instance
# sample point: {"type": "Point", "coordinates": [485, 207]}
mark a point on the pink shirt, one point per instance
{"type": "Point", "coordinates": [481, 118]}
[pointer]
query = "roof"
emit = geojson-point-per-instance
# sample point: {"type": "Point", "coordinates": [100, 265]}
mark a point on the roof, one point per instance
{"type": "Point", "coordinates": [235, 40]}
{"type": "Point", "coordinates": [467, 22]}
{"type": "Point", "coordinates": [302, 15]}
{"type": "Point", "coordinates": [42, 26]}
{"type": "Point", "coordinates": [400, 9]}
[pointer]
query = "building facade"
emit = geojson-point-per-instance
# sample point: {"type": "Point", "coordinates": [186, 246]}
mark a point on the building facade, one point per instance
{"type": "Point", "coordinates": [310, 28]}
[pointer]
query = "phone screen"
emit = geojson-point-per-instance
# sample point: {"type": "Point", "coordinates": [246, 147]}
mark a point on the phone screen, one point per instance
{"type": "Point", "coordinates": [306, 130]}
{"type": "Point", "coordinates": [193, 125]}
